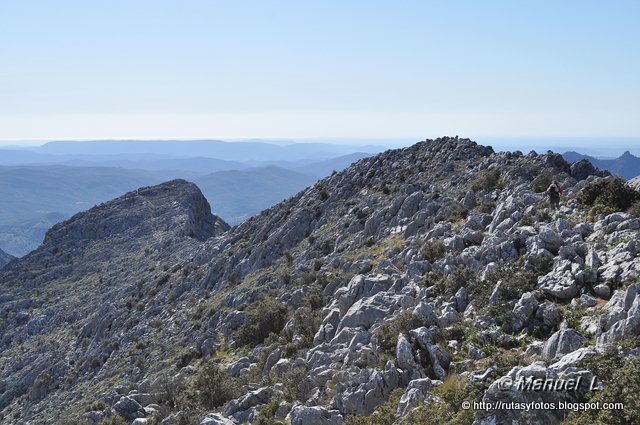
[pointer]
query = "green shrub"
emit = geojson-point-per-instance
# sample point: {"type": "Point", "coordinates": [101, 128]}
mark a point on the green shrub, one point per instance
{"type": "Point", "coordinates": [541, 182]}
{"type": "Point", "coordinates": [635, 209]}
{"type": "Point", "coordinates": [214, 387]}
{"type": "Point", "coordinates": [599, 209]}
{"type": "Point", "coordinates": [306, 323]}
{"type": "Point", "coordinates": [187, 356]}
{"type": "Point", "coordinates": [613, 193]}
{"type": "Point", "coordinates": [432, 250]}
{"type": "Point", "coordinates": [385, 414]}
{"type": "Point", "coordinates": [263, 317]}
{"type": "Point", "coordinates": [291, 381]}
{"type": "Point", "coordinates": [621, 380]}
{"type": "Point", "coordinates": [487, 180]}
{"type": "Point", "coordinates": [387, 333]}
{"type": "Point", "coordinates": [449, 410]}
{"type": "Point", "coordinates": [515, 282]}
{"type": "Point", "coordinates": [449, 285]}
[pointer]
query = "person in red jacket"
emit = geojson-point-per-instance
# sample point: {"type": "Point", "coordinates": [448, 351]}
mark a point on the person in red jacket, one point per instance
{"type": "Point", "coordinates": [554, 192]}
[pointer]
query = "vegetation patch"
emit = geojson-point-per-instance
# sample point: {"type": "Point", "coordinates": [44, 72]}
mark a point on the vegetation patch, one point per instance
{"type": "Point", "coordinates": [487, 180]}
{"type": "Point", "coordinates": [446, 406]}
{"type": "Point", "coordinates": [263, 318]}
{"type": "Point", "coordinates": [606, 196]}
{"type": "Point", "coordinates": [387, 333]}
{"type": "Point", "coordinates": [621, 384]}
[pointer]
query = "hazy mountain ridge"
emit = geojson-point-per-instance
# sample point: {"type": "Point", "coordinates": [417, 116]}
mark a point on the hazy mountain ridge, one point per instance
{"type": "Point", "coordinates": [408, 269]}
{"type": "Point", "coordinates": [246, 193]}
{"type": "Point", "coordinates": [626, 166]}
{"type": "Point", "coordinates": [231, 151]}
{"type": "Point", "coordinates": [36, 196]}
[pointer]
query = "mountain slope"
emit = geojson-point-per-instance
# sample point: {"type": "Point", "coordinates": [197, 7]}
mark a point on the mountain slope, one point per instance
{"type": "Point", "coordinates": [430, 264]}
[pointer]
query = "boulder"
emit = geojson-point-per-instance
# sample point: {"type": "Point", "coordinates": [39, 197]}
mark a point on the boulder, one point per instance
{"type": "Point", "coordinates": [550, 240]}
{"type": "Point", "coordinates": [562, 342]}
{"type": "Point", "coordinates": [216, 419]}
{"type": "Point", "coordinates": [314, 415]}
{"type": "Point", "coordinates": [414, 394]}
{"type": "Point", "coordinates": [128, 408]}
{"type": "Point", "coordinates": [523, 311]}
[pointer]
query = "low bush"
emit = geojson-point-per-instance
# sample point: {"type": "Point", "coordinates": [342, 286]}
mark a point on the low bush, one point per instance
{"type": "Point", "coordinates": [214, 387]}
{"type": "Point", "coordinates": [449, 285]}
{"type": "Point", "coordinates": [621, 384]}
{"type": "Point", "coordinates": [432, 250]}
{"type": "Point", "coordinates": [448, 410]}
{"type": "Point", "coordinates": [263, 317]}
{"type": "Point", "coordinates": [387, 333]}
{"type": "Point", "coordinates": [541, 182]}
{"type": "Point", "coordinates": [608, 195]}
{"type": "Point", "coordinates": [486, 180]}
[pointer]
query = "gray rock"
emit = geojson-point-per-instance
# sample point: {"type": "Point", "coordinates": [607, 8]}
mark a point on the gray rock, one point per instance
{"type": "Point", "coordinates": [562, 342]}
{"type": "Point", "coordinates": [550, 240]}
{"type": "Point", "coordinates": [562, 286]}
{"type": "Point", "coordinates": [209, 346]}
{"type": "Point", "coordinates": [602, 290]}
{"type": "Point", "coordinates": [314, 415]}
{"type": "Point", "coordinates": [272, 359]}
{"type": "Point", "coordinates": [234, 368]}
{"type": "Point", "coordinates": [523, 311]}
{"type": "Point", "coordinates": [448, 317]}
{"type": "Point", "coordinates": [425, 312]}
{"type": "Point", "coordinates": [413, 395]}
{"type": "Point", "coordinates": [129, 408]}
{"type": "Point", "coordinates": [406, 360]}
{"type": "Point", "coordinates": [249, 400]}
{"type": "Point", "coordinates": [216, 419]}
{"type": "Point", "coordinates": [549, 314]}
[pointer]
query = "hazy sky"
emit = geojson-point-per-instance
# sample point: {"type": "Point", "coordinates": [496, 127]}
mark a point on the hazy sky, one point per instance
{"type": "Point", "coordinates": [301, 69]}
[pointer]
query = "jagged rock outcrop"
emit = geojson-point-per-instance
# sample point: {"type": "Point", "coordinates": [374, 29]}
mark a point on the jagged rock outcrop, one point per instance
{"type": "Point", "coordinates": [408, 268]}
{"type": "Point", "coordinates": [4, 258]}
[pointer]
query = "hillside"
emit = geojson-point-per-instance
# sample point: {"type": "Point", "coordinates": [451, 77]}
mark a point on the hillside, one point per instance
{"type": "Point", "coordinates": [410, 281]}
{"type": "Point", "coordinates": [626, 166]}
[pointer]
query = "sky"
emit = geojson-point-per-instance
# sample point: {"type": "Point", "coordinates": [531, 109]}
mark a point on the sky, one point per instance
{"type": "Point", "coordinates": [330, 69]}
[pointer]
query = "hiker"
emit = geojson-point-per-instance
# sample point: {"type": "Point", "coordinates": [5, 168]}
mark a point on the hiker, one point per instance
{"type": "Point", "coordinates": [554, 191]}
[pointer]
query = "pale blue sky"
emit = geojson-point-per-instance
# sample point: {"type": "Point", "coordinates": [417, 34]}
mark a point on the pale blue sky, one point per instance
{"type": "Point", "coordinates": [299, 69]}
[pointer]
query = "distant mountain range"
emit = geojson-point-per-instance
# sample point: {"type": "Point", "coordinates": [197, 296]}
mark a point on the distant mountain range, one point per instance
{"type": "Point", "coordinates": [237, 195]}
{"type": "Point", "coordinates": [241, 151]}
{"type": "Point", "coordinates": [626, 166]}
{"type": "Point", "coordinates": [40, 193]}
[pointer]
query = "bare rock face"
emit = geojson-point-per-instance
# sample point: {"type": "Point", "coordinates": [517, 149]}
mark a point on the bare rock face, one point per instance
{"type": "Point", "coordinates": [176, 206]}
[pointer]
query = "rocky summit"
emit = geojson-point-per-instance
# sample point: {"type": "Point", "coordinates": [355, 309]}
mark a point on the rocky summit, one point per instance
{"type": "Point", "coordinates": [395, 291]}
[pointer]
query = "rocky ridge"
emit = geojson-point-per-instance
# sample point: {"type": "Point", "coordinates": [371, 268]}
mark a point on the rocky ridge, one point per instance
{"type": "Point", "coordinates": [4, 258]}
{"type": "Point", "coordinates": [384, 284]}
